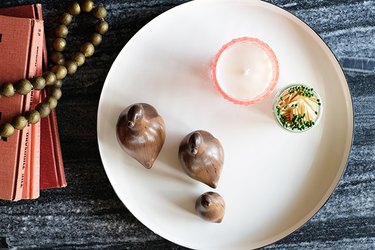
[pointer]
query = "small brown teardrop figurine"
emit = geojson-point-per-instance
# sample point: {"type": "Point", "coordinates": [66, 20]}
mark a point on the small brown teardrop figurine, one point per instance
{"type": "Point", "coordinates": [141, 133]}
{"type": "Point", "coordinates": [202, 157]}
{"type": "Point", "coordinates": [210, 206]}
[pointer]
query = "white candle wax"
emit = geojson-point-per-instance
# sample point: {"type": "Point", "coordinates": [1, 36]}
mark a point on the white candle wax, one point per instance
{"type": "Point", "coordinates": [245, 70]}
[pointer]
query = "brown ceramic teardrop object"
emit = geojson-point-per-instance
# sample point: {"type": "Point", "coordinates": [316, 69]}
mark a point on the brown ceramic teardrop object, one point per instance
{"type": "Point", "coordinates": [202, 157]}
{"type": "Point", "coordinates": [141, 133]}
{"type": "Point", "coordinates": [210, 206]}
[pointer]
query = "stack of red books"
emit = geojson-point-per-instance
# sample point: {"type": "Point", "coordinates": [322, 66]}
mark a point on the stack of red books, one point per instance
{"type": "Point", "coordinates": [31, 159]}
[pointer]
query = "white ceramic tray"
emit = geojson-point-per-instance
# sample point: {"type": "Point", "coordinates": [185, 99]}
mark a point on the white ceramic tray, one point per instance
{"type": "Point", "coordinates": [273, 180]}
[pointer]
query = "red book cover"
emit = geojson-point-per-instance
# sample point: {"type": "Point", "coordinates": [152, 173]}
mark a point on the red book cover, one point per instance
{"type": "Point", "coordinates": [18, 57]}
{"type": "Point", "coordinates": [55, 178]}
{"type": "Point", "coordinates": [61, 180]}
{"type": "Point", "coordinates": [31, 187]}
{"type": "Point", "coordinates": [52, 174]}
{"type": "Point", "coordinates": [51, 165]}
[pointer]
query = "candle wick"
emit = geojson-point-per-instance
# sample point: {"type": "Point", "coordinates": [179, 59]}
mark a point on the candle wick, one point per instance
{"type": "Point", "coordinates": [247, 72]}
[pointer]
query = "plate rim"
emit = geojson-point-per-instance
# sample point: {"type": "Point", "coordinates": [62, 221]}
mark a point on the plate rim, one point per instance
{"type": "Point", "coordinates": [351, 115]}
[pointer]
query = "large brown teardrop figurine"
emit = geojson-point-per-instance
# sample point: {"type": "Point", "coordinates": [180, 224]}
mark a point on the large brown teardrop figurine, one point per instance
{"type": "Point", "coordinates": [202, 157]}
{"type": "Point", "coordinates": [141, 133]}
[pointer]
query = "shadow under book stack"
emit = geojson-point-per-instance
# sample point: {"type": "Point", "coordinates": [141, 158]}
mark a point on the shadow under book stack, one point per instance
{"type": "Point", "coordinates": [31, 159]}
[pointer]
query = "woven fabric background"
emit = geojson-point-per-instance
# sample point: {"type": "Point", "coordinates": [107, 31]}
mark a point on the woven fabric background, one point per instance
{"type": "Point", "coordinates": [88, 215]}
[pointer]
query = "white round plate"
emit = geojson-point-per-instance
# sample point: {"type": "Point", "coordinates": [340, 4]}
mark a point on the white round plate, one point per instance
{"type": "Point", "coordinates": [273, 180]}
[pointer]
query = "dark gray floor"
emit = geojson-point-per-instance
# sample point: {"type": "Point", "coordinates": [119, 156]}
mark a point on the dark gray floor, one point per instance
{"type": "Point", "coordinates": [87, 214]}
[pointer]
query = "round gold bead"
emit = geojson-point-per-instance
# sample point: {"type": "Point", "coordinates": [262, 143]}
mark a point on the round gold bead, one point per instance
{"type": "Point", "coordinates": [61, 31]}
{"type": "Point", "coordinates": [74, 9]}
{"type": "Point", "coordinates": [87, 5]}
{"type": "Point", "coordinates": [33, 116]}
{"type": "Point", "coordinates": [102, 27]}
{"type": "Point", "coordinates": [19, 122]}
{"type": "Point", "coordinates": [57, 58]}
{"type": "Point", "coordinates": [23, 87]}
{"type": "Point", "coordinates": [60, 71]}
{"type": "Point", "coordinates": [59, 44]}
{"type": "Point", "coordinates": [71, 66]}
{"type": "Point", "coordinates": [56, 93]}
{"type": "Point", "coordinates": [96, 39]}
{"type": "Point", "coordinates": [79, 58]}
{"type": "Point", "coordinates": [7, 89]}
{"type": "Point", "coordinates": [88, 49]}
{"type": "Point", "coordinates": [52, 102]}
{"type": "Point", "coordinates": [43, 109]}
{"type": "Point", "coordinates": [58, 83]}
{"type": "Point", "coordinates": [6, 130]}
{"type": "Point", "coordinates": [99, 12]}
{"type": "Point", "coordinates": [38, 83]}
{"type": "Point", "coordinates": [66, 19]}
{"type": "Point", "coordinates": [50, 77]}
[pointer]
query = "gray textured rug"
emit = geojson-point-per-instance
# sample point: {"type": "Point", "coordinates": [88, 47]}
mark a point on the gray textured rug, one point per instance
{"type": "Point", "coordinates": [87, 214]}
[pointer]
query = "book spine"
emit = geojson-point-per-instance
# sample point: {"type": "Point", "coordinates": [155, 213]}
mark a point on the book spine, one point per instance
{"type": "Point", "coordinates": [22, 161]}
{"type": "Point", "coordinates": [27, 174]}
{"type": "Point", "coordinates": [42, 66]}
{"type": "Point", "coordinates": [52, 174]}
{"type": "Point", "coordinates": [48, 169]}
{"type": "Point", "coordinates": [35, 51]}
{"type": "Point", "coordinates": [31, 177]}
{"type": "Point", "coordinates": [57, 149]}
{"type": "Point", "coordinates": [38, 13]}
{"type": "Point", "coordinates": [15, 48]}
{"type": "Point", "coordinates": [35, 163]}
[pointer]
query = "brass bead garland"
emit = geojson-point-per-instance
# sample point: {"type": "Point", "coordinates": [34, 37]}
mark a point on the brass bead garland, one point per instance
{"type": "Point", "coordinates": [75, 9]}
{"type": "Point", "coordinates": [60, 69]}
{"type": "Point", "coordinates": [96, 39]}
{"type": "Point", "coordinates": [102, 27]}
{"type": "Point", "coordinates": [87, 49]}
{"type": "Point", "coordinates": [23, 87]}
{"type": "Point", "coordinates": [66, 19]}
{"type": "Point", "coordinates": [61, 31]}
{"type": "Point", "coordinates": [58, 83]}
{"type": "Point", "coordinates": [56, 93]}
{"type": "Point", "coordinates": [79, 58]}
{"type": "Point", "coordinates": [59, 44]}
{"type": "Point", "coordinates": [7, 89]}
{"type": "Point", "coordinates": [38, 83]}
{"type": "Point", "coordinates": [19, 122]}
{"type": "Point", "coordinates": [87, 6]}
{"type": "Point", "coordinates": [33, 116]}
{"type": "Point", "coordinates": [71, 67]}
{"type": "Point", "coordinates": [57, 58]}
{"type": "Point", "coordinates": [52, 102]}
{"type": "Point", "coordinates": [43, 109]}
{"type": "Point", "coordinates": [50, 77]}
{"type": "Point", "coordinates": [6, 130]}
{"type": "Point", "coordinates": [99, 12]}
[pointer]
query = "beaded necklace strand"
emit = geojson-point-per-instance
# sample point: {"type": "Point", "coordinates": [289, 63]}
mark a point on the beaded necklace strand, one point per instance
{"type": "Point", "coordinates": [60, 69]}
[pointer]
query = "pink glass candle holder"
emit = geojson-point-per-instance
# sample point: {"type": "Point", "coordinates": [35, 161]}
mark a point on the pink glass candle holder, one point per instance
{"type": "Point", "coordinates": [245, 71]}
